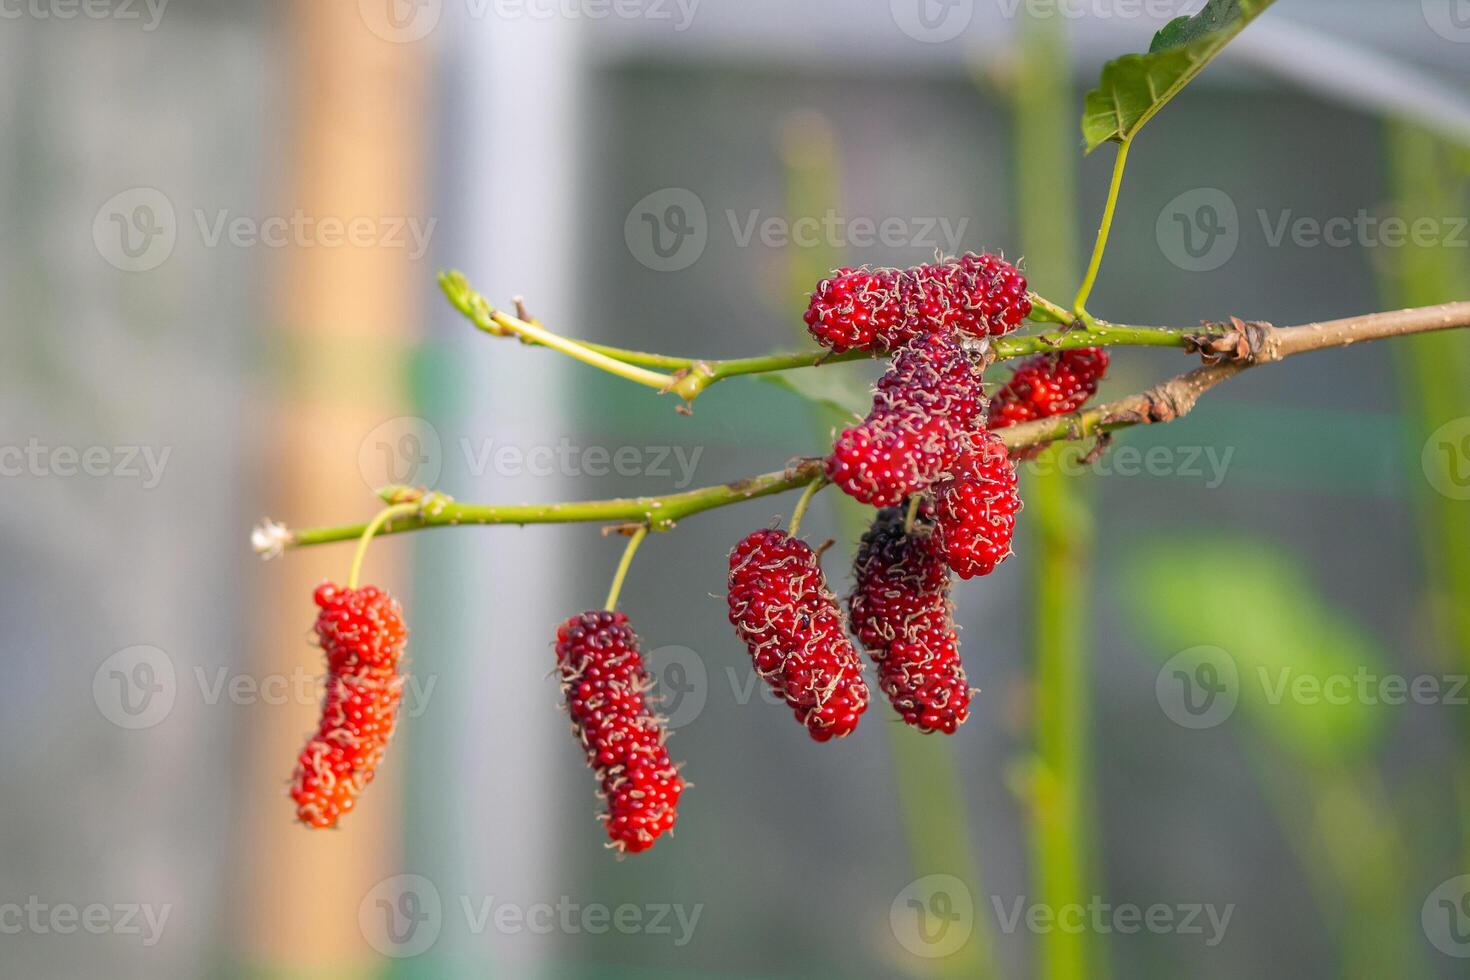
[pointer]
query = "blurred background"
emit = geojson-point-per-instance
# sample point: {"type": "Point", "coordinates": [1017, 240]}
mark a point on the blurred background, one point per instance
{"type": "Point", "coordinates": [1224, 728]}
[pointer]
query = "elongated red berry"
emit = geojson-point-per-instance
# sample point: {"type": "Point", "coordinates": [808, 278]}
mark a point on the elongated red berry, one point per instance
{"type": "Point", "coordinates": [603, 681]}
{"type": "Point", "coordinates": [363, 636]}
{"type": "Point", "coordinates": [883, 309]}
{"type": "Point", "coordinates": [1048, 385]}
{"type": "Point", "coordinates": [902, 614]}
{"type": "Point", "coordinates": [975, 509]}
{"type": "Point", "coordinates": [782, 609]}
{"type": "Point", "coordinates": [924, 409]}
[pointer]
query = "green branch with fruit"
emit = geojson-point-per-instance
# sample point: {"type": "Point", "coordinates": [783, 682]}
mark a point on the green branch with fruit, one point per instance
{"type": "Point", "coordinates": [935, 458]}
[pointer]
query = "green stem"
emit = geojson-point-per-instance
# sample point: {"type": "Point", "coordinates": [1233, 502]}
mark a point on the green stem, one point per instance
{"type": "Point", "coordinates": [691, 376]}
{"type": "Point", "coordinates": [374, 526]}
{"type": "Point", "coordinates": [659, 513]}
{"type": "Point", "coordinates": [623, 566]}
{"type": "Point", "coordinates": [801, 505]}
{"type": "Point", "coordinates": [1106, 226]}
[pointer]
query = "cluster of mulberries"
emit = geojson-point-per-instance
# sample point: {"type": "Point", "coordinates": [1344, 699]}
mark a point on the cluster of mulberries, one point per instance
{"type": "Point", "coordinates": [363, 635]}
{"type": "Point", "coordinates": [924, 409]}
{"type": "Point", "coordinates": [782, 609]}
{"type": "Point", "coordinates": [883, 309]}
{"type": "Point", "coordinates": [901, 614]}
{"type": "Point", "coordinates": [603, 683]}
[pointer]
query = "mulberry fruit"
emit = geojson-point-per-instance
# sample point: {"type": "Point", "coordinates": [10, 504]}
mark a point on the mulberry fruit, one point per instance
{"type": "Point", "coordinates": [363, 636]}
{"type": "Point", "coordinates": [987, 295]}
{"type": "Point", "coordinates": [782, 609]}
{"type": "Point", "coordinates": [902, 614]}
{"type": "Point", "coordinates": [975, 509]}
{"type": "Point", "coordinates": [1048, 385]}
{"type": "Point", "coordinates": [603, 681]}
{"type": "Point", "coordinates": [924, 410]}
{"type": "Point", "coordinates": [883, 309]}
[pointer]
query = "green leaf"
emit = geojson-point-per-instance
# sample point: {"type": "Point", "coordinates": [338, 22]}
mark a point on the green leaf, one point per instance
{"type": "Point", "coordinates": [844, 389]}
{"type": "Point", "coordinates": [1254, 601]}
{"type": "Point", "coordinates": [1136, 86]}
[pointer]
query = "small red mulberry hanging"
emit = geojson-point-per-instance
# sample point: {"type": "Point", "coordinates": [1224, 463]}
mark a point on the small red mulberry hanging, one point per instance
{"type": "Point", "coordinates": [603, 682]}
{"type": "Point", "coordinates": [363, 636]}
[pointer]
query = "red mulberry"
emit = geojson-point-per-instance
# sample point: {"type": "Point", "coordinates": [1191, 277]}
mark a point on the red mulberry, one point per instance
{"type": "Point", "coordinates": [987, 294]}
{"type": "Point", "coordinates": [603, 682]}
{"type": "Point", "coordinates": [858, 309]}
{"type": "Point", "coordinates": [781, 608]}
{"type": "Point", "coordinates": [924, 410]}
{"type": "Point", "coordinates": [883, 309]}
{"type": "Point", "coordinates": [902, 614]}
{"type": "Point", "coordinates": [975, 509]}
{"type": "Point", "coordinates": [1048, 385]}
{"type": "Point", "coordinates": [363, 636]}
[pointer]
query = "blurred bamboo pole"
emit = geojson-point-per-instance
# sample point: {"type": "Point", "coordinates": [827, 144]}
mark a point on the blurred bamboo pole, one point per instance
{"type": "Point", "coordinates": [353, 138]}
{"type": "Point", "coordinates": [1058, 519]}
{"type": "Point", "coordinates": [1429, 176]}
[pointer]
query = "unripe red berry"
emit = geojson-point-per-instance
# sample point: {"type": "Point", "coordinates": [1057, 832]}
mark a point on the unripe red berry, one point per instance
{"type": "Point", "coordinates": [975, 508]}
{"type": "Point", "coordinates": [782, 609]}
{"type": "Point", "coordinates": [924, 408]}
{"type": "Point", "coordinates": [363, 637]}
{"type": "Point", "coordinates": [1048, 385]}
{"type": "Point", "coordinates": [603, 681]}
{"type": "Point", "coordinates": [902, 614]}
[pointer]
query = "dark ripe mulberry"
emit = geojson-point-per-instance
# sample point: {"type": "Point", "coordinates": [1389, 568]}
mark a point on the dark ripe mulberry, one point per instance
{"type": "Point", "coordinates": [901, 613]}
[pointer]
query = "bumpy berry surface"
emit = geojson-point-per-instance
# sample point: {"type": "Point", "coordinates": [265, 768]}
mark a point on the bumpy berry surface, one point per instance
{"type": "Point", "coordinates": [858, 309]}
{"type": "Point", "coordinates": [883, 309]}
{"type": "Point", "coordinates": [1048, 385]}
{"type": "Point", "coordinates": [987, 295]}
{"type": "Point", "coordinates": [782, 609]}
{"type": "Point", "coordinates": [902, 615]}
{"type": "Point", "coordinates": [925, 408]}
{"type": "Point", "coordinates": [975, 509]}
{"type": "Point", "coordinates": [362, 633]}
{"type": "Point", "coordinates": [603, 681]}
